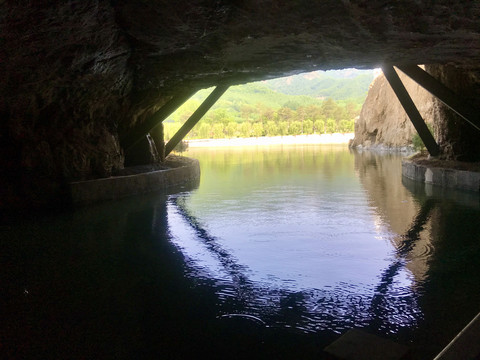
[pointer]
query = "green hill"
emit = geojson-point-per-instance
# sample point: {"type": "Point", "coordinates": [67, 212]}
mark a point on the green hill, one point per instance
{"type": "Point", "coordinates": [325, 84]}
{"type": "Point", "coordinates": [256, 93]}
{"type": "Point", "coordinates": [316, 102]}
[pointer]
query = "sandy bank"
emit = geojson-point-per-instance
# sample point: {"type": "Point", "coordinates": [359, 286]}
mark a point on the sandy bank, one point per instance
{"type": "Point", "coordinates": [275, 140]}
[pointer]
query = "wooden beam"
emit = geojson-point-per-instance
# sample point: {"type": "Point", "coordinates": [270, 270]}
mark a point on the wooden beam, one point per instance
{"type": "Point", "coordinates": [196, 116]}
{"type": "Point", "coordinates": [443, 93]}
{"type": "Point", "coordinates": [141, 130]}
{"type": "Point", "coordinates": [411, 110]}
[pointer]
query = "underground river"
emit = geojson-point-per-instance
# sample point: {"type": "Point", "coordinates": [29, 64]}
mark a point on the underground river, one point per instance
{"type": "Point", "coordinates": [276, 253]}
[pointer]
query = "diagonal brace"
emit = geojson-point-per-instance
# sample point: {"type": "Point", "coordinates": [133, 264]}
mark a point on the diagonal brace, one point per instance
{"type": "Point", "coordinates": [196, 116]}
{"type": "Point", "coordinates": [411, 110]}
{"type": "Point", "coordinates": [443, 93]}
{"type": "Point", "coordinates": [140, 131]}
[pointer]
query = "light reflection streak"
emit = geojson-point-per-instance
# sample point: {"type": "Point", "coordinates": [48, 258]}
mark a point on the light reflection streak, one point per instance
{"type": "Point", "coordinates": [337, 308]}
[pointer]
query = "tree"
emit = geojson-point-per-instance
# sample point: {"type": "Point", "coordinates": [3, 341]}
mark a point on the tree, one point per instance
{"type": "Point", "coordinates": [170, 129]}
{"type": "Point", "coordinates": [331, 126]}
{"type": "Point", "coordinates": [246, 111]}
{"type": "Point", "coordinates": [328, 108]}
{"type": "Point", "coordinates": [257, 129]}
{"type": "Point", "coordinates": [245, 129]}
{"type": "Point", "coordinates": [231, 129]}
{"type": "Point", "coordinates": [204, 130]}
{"type": "Point", "coordinates": [285, 114]}
{"type": "Point", "coordinates": [217, 131]}
{"type": "Point", "coordinates": [345, 126]}
{"type": "Point", "coordinates": [291, 105]}
{"type": "Point", "coordinates": [295, 128]}
{"type": "Point", "coordinates": [271, 128]}
{"type": "Point", "coordinates": [339, 114]}
{"type": "Point", "coordinates": [283, 128]}
{"type": "Point", "coordinates": [319, 126]}
{"type": "Point", "coordinates": [308, 126]}
{"type": "Point", "coordinates": [301, 114]}
{"type": "Point", "coordinates": [222, 116]}
{"type": "Point", "coordinates": [351, 110]}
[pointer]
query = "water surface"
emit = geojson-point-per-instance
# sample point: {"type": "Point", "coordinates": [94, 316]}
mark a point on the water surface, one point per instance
{"type": "Point", "coordinates": [278, 252]}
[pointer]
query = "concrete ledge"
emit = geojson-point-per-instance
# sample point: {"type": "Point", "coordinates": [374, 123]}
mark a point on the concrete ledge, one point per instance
{"type": "Point", "coordinates": [450, 178]}
{"type": "Point", "coordinates": [181, 171]}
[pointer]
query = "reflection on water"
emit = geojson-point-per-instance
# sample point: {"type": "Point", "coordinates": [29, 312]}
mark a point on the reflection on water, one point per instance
{"type": "Point", "coordinates": [276, 253]}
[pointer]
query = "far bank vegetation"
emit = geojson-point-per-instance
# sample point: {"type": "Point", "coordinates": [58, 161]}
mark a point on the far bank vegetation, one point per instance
{"type": "Point", "coordinates": [255, 110]}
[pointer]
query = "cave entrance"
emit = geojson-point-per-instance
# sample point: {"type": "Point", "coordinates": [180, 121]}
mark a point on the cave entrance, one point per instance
{"type": "Point", "coordinates": [138, 139]}
{"type": "Point", "coordinates": [341, 91]}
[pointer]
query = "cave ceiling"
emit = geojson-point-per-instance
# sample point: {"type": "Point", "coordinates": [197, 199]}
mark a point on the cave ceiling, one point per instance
{"type": "Point", "coordinates": [212, 41]}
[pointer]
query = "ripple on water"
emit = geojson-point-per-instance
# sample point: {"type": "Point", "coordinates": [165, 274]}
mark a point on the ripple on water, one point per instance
{"type": "Point", "coordinates": [336, 309]}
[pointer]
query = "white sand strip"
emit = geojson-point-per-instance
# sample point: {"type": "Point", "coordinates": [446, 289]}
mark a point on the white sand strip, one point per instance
{"type": "Point", "coordinates": [275, 140]}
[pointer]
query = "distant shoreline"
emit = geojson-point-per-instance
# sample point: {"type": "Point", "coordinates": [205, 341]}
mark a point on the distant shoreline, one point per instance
{"type": "Point", "coordinates": [326, 139]}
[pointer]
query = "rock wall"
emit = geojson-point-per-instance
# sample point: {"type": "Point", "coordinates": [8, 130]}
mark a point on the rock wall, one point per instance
{"type": "Point", "coordinates": [63, 85]}
{"type": "Point", "coordinates": [457, 138]}
{"type": "Point", "coordinates": [383, 122]}
{"type": "Point", "coordinates": [77, 75]}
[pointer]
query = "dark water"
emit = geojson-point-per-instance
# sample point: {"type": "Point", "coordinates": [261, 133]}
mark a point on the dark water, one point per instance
{"type": "Point", "coordinates": [275, 255]}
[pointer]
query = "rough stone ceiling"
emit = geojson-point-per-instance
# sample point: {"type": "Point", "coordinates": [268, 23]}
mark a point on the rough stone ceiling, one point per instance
{"type": "Point", "coordinates": [160, 44]}
{"type": "Point", "coordinates": [242, 40]}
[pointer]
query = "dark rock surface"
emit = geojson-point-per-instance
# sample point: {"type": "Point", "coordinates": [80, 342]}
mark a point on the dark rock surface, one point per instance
{"type": "Point", "coordinates": [457, 138]}
{"type": "Point", "coordinates": [78, 74]}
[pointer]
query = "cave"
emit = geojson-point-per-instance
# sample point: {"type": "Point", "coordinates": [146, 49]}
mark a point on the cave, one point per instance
{"type": "Point", "coordinates": [80, 75]}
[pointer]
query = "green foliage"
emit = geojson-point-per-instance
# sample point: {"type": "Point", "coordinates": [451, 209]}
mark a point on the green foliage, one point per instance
{"type": "Point", "coordinates": [246, 129]}
{"type": "Point", "coordinates": [326, 85]}
{"type": "Point", "coordinates": [283, 128]}
{"type": "Point", "coordinates": [417, 141]}
{"type": "Point", "coordinates": [308, 127]}
{"type": "Point", "coordinates": [271, 128]}
{"type": "Point", "coordinates": [275, 107]}
{"type": "Point", "coordinates": [331, 126]}
{"type": "Point", "coordinates": [319, 126]}
{"type": "Point", "coordinates": [217, 131]}
{"type": "Point", "coordinates": [257, 129]}
{"type": "Point", "coordinates": [231, 129]}
{"type": "Point", "coordinates": [346, 126]}
{"type": "Point", "coordinates": [295, 128]}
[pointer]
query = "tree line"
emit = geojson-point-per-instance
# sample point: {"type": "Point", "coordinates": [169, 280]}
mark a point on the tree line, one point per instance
{"type": "Point", "coordinates": [258, 120]}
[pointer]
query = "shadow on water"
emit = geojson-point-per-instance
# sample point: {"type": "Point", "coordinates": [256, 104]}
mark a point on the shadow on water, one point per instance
{"type": "Point", "coordinates": [110, 282]}
{"type": "Point", "coordinates": [402, 251]}
{"type": "Point", "coordinates": [379, 312]}
{"type": "Point", "coordinates": [106, 283]}
{"type": "Point", "coordinates": [244, 328]}
{"type": "Point", "coordinates": [440, 249]}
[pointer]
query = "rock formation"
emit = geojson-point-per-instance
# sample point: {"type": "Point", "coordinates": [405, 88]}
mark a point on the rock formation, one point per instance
{"type": "Point", "coordinates": [457, 138]}
{"type": "Point", "coordinates": [77, 75]}
{"type": "Point", "coordinates": [383, 123]}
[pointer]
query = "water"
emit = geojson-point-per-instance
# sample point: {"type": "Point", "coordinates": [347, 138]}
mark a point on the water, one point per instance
{"type": "Point", "coordinates": [274, 255]}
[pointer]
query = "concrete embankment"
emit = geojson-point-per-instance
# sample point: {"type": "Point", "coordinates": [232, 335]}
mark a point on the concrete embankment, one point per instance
{"type": "Point", "coordinates": [178, 171]}
{"type": "Point", "coordinates": [436, 174]}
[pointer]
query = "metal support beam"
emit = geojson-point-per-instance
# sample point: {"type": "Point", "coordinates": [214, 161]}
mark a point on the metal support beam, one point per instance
{"type": "Point", "coordinates": [444, 94]}
{"type": "Point", "coordinates": [411, 110]}
{"type": "Point", "coordinates": [140, 131]}
{"type": "Point", "coordinates": [196, 116]}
